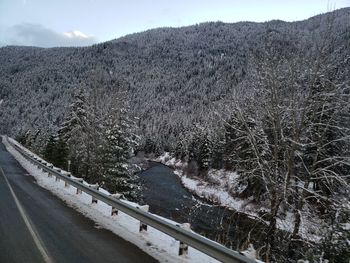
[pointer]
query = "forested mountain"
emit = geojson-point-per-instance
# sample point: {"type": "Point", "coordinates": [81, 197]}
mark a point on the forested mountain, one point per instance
{"type": "Point", "coordinates": [267, 100]}
{"type": "Point", "coordinates": [174, 77]}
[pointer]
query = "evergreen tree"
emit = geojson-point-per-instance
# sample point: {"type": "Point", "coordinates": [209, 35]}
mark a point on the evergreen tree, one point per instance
{"type": "Point", "coordinates": [150, 146]}
{"type": "Point", "coordinates": [180, 150]}
{"type": "Point", "coordinates": [229, 144]}
{"type": "Point", "coordinates": [49, 149]}
{"type": "Point", "coordinates": [74, 133]}
{"type": "Point", "coordinates": [119, 142]}
{"type": "Point", "coordinates": [204, 158]}
{"type": "Point", "coordinates": [60, 153]}
{"type": "Point", "coordinates": [218, 148]}
{"type": "Point", "coordinates": [200, 152]}
{"type": "Point", "coordinates": [56, 151]}
{"type": "Point", "coordinates": [335, 241]}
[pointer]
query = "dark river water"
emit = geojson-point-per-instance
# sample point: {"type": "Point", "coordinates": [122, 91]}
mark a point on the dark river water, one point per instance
{"type": "Point", "coordinates": [166, 196]}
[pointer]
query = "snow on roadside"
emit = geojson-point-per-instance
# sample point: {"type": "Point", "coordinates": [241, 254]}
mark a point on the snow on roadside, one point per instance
{"type": "Point", "coordinates": [157, 244]}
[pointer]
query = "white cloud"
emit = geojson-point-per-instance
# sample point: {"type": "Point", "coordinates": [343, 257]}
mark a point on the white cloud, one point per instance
{"type": "Point", "coordinates": [37, 35]}
{"type": "Point", "coordinates": [75, 33]}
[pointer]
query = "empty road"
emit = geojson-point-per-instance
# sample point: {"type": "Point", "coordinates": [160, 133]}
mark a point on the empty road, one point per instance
{"type": "Point", "coordinates": [36, 226]}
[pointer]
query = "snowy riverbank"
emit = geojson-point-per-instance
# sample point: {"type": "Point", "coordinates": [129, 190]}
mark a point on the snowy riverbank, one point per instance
{"type": "Point", "coordinates": [219, 188]}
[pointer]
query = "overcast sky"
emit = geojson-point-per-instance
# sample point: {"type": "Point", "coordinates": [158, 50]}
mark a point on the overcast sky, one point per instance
{"type": "Point", "coordinates": [48, 23]}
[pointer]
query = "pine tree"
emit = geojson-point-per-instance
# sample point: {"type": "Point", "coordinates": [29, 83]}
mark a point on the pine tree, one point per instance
{"type": "Point", "coordinates": [119, 142]}
{"type": "Point", "coordinates": [60, 153]}
{"type": "Point", "coordinates": [180, 150]}
{"type": "Point", "coordinates": [204, 157]}
{"type": "Point", "coordinates": [49, 149]}
{"type": "Point", "coordinates": [74, 133]}
{"type": "Point", "coordinates": [199, 152]}
{"type": "Point", "coordinates": [229, 145]}
{"type": "Point", "coordinates": [150, 146]}
{"type": "Point", "coordinates": [218, 148]}
{"type": "Point", "coordinates": [335, 241]}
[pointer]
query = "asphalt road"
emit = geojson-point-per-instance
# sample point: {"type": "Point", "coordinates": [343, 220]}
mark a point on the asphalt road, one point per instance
{"type": "Point", "coordinates": [36, 226]}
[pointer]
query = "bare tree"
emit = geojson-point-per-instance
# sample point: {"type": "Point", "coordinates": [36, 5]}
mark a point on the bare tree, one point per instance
{"type": "Point", "coordinates": [300, 132]}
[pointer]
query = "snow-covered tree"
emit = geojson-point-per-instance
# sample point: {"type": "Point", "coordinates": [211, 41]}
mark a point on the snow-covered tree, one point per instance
{"type": "Point", "coordinates": [247, 152]}
{"type": "Point", "coordinates": [74, 132]}
{"type": "Point", "coordinates": [56, 152]}
{"type": "Point", "coordinates": [199, 151]}
{"type": "Point", "coordinates": [49, 149]}
{"type": "Point", "coordinates": [119, 142]}
{"type": "Point", "coordinates": [302, 108]}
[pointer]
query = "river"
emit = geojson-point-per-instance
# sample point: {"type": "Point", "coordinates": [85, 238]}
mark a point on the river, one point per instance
{"type": "Point", "coordinates": [164, 193]}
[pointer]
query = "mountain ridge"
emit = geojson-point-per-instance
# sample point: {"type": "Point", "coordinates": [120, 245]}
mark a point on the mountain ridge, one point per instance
{"type": "Point", "coordinates": [174, 77]}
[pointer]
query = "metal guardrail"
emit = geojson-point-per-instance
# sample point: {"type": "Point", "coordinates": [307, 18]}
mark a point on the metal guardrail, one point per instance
{"type": "Point", "coordinates": [194, 240]}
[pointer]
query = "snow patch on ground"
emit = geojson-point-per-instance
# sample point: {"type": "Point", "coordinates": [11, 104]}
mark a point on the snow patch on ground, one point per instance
{"type": "Point", "coordinates": [157, 244]}
{"type": "Point", "coordinates": [213, 193]}
{"type": "Point", "coordinates": [216, 188]}
{"type": "Point", "coordinates": [171, 161]}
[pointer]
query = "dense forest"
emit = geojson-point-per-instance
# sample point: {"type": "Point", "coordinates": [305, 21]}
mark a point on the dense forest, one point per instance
{"type": "Point", "coordinates": [268, 100]}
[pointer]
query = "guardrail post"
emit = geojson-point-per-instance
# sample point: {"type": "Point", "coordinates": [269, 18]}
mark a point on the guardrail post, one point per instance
{"type": "Point", "coordinates": [96, 187]}
{"type": "Point", "coordinates": [143, 227]}
{"type": "Point", "coordinates": [183, 248]}
{"type": "Point", "coordinates": [57, 178]}
{"type": "Point", "coordinates": [49, 174]}
{"type": "Point", "coordinates": [80, 180]}
{"type": "Point", "coordinates": [65, 182]}
{"type": "Point", "coordinates": [39, 167]}
{"type": "Point", "coordinates": [114, 211]}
